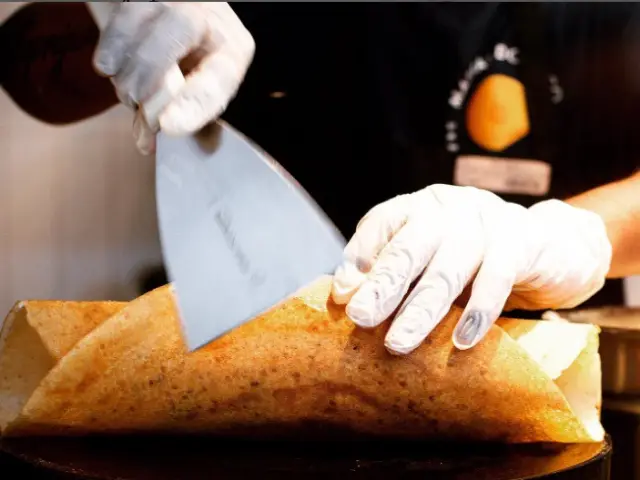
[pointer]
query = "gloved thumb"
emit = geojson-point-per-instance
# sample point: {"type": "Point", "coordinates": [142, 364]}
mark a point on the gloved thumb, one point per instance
{"type": "Point", "coordinates": [144, 136]}
{"type": "Point", "coordinates": [373, 233]}
{"type": "Point", "coordinates": [346, 280]}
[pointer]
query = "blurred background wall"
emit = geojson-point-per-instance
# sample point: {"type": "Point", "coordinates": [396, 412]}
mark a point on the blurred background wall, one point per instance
{"type": "Point", "coordinates": [77, 208]}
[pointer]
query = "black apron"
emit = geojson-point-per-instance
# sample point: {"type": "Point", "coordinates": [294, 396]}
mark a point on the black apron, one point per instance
{"type": "Point", "coordinates": [367, 85]}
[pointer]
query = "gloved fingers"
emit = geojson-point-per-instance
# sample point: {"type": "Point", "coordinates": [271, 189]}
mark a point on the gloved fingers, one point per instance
{"type": "Point", "coordinates": [372, 234]}
{"type": "Point", "coordinates": [171, 36]}
{"type": "Point", "coordinates": [209, 87]}
{"type": "Point", "coordinates": [205, 95]}
{"type": "Point", "coordinates": [489, 292]}
{"type": "Point", "coordinates": [121, 35]}
{"type": "Point", "coordinates": [451, 268]}
{"type": "Point", "coordinates": [397, 266]}
{"type": "Point", "coordinates": [144, 136]}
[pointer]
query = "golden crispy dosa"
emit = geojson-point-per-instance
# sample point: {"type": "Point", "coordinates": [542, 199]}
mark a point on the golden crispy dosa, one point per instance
{"type": "Point", "coordinates": [304, 363]}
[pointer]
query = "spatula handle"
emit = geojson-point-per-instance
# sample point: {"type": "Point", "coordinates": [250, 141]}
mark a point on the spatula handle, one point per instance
{"type": "Point", "coordinates": [173, 80]}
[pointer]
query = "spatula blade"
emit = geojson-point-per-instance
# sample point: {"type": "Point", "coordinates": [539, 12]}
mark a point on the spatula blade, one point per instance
{"type": "Point", "coordinates": [238, 233]}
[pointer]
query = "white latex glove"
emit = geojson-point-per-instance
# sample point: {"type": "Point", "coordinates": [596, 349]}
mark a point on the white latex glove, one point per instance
{"type": "Point", "coordinates": [144, 39]}
{"type": "Point", "coordinates": [551, 255]}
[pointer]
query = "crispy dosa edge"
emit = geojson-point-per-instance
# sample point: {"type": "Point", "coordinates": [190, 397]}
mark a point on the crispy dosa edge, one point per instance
{"type": "Point", "coordinates": [301, 363]}
{"type": "Point", "coordinates": [568, 353]}
{"type": "Point", "coordinates": [34, 336]}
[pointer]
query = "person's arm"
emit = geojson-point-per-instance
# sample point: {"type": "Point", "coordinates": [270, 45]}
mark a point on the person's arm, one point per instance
{"type": "Point", "coordinates": [618, 204]}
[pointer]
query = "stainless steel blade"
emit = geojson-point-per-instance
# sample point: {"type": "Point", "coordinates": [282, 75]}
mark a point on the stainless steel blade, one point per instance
{"type": "Point", "coordinates": [238, 233]}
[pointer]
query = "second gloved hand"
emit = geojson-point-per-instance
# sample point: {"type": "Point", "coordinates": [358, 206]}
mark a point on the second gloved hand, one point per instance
{"type": "Point", "coordinates": [551, 255]}
{"type": "Point", "coordinates": [144, 39]}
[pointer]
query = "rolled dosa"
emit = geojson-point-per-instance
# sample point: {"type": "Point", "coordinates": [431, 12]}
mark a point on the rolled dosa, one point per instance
{"type": "Point", "coordinates": [304, 364]}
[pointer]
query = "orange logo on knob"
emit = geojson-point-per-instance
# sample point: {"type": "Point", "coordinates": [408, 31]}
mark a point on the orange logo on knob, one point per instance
{"type": "Point", "coordinates": [496, 114]}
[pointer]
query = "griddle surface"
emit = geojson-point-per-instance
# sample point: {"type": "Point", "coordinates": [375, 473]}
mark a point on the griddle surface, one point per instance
{"type": "Point", "coordinates": [163, 458]}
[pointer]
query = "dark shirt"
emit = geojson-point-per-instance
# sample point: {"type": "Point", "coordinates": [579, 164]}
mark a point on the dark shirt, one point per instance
{"type": "Point", "coordinates": [371, 111]}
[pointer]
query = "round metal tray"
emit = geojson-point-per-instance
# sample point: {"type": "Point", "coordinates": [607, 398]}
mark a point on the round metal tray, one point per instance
{"type": "Point", "coordinates": [610, 318]}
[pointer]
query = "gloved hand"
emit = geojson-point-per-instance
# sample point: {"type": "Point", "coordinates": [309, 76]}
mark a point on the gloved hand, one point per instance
{"type": "Point", "coordinates": [144, 39]}
{"type": "Point", "coordinates": [552, 255]}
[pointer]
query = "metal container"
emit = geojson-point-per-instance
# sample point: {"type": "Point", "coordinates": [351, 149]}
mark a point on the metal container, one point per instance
{"type": "Point", "coordinates": [620, 357]}
{"type": "Point", "coordinates": [619, 346]}
{"type": "Point", "coordinates": [621, 420]}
